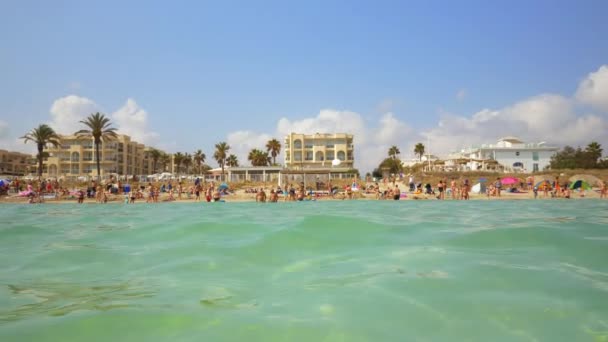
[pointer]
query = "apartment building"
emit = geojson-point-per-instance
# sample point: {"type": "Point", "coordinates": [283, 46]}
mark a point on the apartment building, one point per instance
{"type": "Point", "coordinates": [75, 156]}
{"type": "Point", "coordinates": [511, 153]}
{"type": "Point", "coordinates": [310, 151]}
{"type": "Point", "coordinates": [14, 163]}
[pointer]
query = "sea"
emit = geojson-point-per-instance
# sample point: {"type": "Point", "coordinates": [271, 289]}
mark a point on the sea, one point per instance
{"type": "Point", "coordinates": [480, 270]}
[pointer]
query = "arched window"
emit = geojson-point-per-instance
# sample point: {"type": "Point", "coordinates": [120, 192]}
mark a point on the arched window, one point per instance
{"type": "Point", "coordinates": [319, 156]}
{"type": "Point", "coordinates": [75, 156]}
{"type": "Point", "coordinates": [52, 169]}
{"type": "Point", "coordinates": [297, 143]}
{"type": "Point", "coordinates": [341, 155]}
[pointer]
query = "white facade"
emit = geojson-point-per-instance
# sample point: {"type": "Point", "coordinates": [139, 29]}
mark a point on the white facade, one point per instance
{"type": "Point", "coordinates": [512, 153]}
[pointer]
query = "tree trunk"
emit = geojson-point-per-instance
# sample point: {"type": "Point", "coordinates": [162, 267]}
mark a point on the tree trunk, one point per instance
{"type": "Point", "coordinates": [40, 150]}
{"type": "Point", "coordinates": [98, 163]}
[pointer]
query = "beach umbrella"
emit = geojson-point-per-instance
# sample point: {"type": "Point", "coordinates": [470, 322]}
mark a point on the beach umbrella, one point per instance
{"type": "Point", "coordinates": [580, 184]}
{"type": "Point", "coordinates": [4, 182]}
{"type": "Point", "coordinates": [509, 180]}
{"type": "Point", "coordinates": [223, 186]}
{"type": "Point", "coordinates": [539, 184]}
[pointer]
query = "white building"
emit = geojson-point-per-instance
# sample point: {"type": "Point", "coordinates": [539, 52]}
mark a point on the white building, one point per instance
{"type": "Point", "coordinates": [512, 153]}
{"type": "Point", "coordinates": [423, 160]}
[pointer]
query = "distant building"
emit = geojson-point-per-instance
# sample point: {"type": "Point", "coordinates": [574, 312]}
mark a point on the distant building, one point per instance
{"type": "Point", "coordinates": [14, 163]}
{"type": "Point", "coordinates": [424, 159]}
{"type": "Point", "coordinates": [75, 156]}
{"type": "Point", "coordinates": [511, 153]}
{"type": "Point", "coordinates": [318, 151]}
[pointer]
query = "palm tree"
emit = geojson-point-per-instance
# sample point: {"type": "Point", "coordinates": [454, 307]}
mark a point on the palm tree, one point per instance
{"type": "Point", "coordinates": [274, 148]}
{"type": "Point", "coordinates": [99, 127]}
{"type": "Point", "coordinates": [220, 155]}
{"type": "Point", "coordinates": [178, 159]}
{"type": "Point", "coordinates": [393, 152]}
{"type": "Point", "coordinates": [42, 136]}
{"type": "Point", "coordinates": [199, 159]}
{"type": "Point", "coordinates": [258, 157]}
{"type": "Point", "coordinates": [187, 162]}
{"type": "Point", "coordinates": [165, 159]}
{"type": "Point", "coordinates": [419, 150]}
{"type": "Point", "coordinates": [155, 155]}
{"type": "Point", "coordinates": [232, 161]}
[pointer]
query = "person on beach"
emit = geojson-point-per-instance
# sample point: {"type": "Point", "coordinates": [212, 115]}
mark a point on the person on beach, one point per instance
{"type": "Point", "coordinates": [498, 186]}
{"type": "Point", "coordinates": [396, 193]}
{"type": "Point", "coordinates": [274, 196]}
{"type": "Point", "coordinates": [603, 189]}
{"type": "Point", "coordinates": [260, 196]}
{"type": "Point", "coordinates": [197, 192]}
{"type": "Point", "coordinates": [216, 195]}
{"type": "Point", "coordinates": [440, 188]}
{"type": "Point", "coordinates": [80, 196]}
{"type": "Point", "coordinates": [465, 189]}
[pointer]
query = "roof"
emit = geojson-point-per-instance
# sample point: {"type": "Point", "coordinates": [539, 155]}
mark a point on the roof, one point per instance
{"type": "Point", "coordinates": [511, 139]}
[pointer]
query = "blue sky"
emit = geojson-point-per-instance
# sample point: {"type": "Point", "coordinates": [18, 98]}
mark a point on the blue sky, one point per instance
{"type": "Point", "coordinates": [200, 71]}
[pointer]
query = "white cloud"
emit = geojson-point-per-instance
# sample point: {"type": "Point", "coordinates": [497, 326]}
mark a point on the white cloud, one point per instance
{"type": "Point", "coordinates": [461, 94]}
{"type": "Point", "coordinates": [241, 142]}
{"type": "Point", "coordinates": [593, 90]}
{"type": "Point", "coordinates": [548, 117]}
{"type": "Point", "coordinates": [132, 120]}
{"type": "Point", "coordinates": [66, 112]}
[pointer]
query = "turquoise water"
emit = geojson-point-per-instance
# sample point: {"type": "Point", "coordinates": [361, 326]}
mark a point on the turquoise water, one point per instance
{"type": "Point", "coordinates": [324, 271]}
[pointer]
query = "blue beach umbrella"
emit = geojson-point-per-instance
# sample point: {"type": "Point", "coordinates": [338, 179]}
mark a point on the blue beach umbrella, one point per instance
{"type": "Point", "coordinates": [4, 182]}
{"type": "Point", "coordinates": [223, 186]}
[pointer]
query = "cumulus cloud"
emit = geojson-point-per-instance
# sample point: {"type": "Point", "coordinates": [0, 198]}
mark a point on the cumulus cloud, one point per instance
{"type": "Point", "coordinates": [547, 117]}
{"type": "Point", "coordinates": [66, 112]}
{"type": "Point", "coordinates": [132, 120]}
{"type": "Point", "coordinates": [593, 90]}
{"type": "Point", "coordinates": [241, 142]}
{"type": "Point", "coordinates": [552, 118]}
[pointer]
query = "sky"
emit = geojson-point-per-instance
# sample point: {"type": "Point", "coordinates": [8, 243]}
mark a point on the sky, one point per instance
{"type": "Point", "coordinates": [185, 75]}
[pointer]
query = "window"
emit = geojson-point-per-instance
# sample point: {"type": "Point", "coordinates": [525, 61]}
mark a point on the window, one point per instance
{"type": "Point", "coordinates": [517, 153]}
{"type": "Point", "coordinates": [535, 167]}
{"type": "Point", "coordinates": [297, 143]}
{"type": "Point", "coordinates": [297, 156]}
{"type": "Point", "coordinates": [341, 155]}
{"type": "Point", "coordinates": [535, 156]}
{"type": "Point", "coordinates": [330, 155]}
{"type": "Point", "coordinates": [319, 156]}
{"type": "Point", "coordinates": [308, 155]}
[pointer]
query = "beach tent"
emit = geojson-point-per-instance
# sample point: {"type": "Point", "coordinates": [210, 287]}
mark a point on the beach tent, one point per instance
{"type": "Point", "coordinates": [589, 179]}
{"type": "Point", "coordinates": [580, 184]}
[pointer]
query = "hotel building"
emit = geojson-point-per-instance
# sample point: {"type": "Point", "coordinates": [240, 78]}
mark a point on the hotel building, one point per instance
{"type": "Point", "coordinates": [511, 153]}
{"type": "Point", "coordinates": [317, 151]}
{"type": "Point", "coordinates": [75, 156]}
{"type": "Point", "coordinates": [14, 163]}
